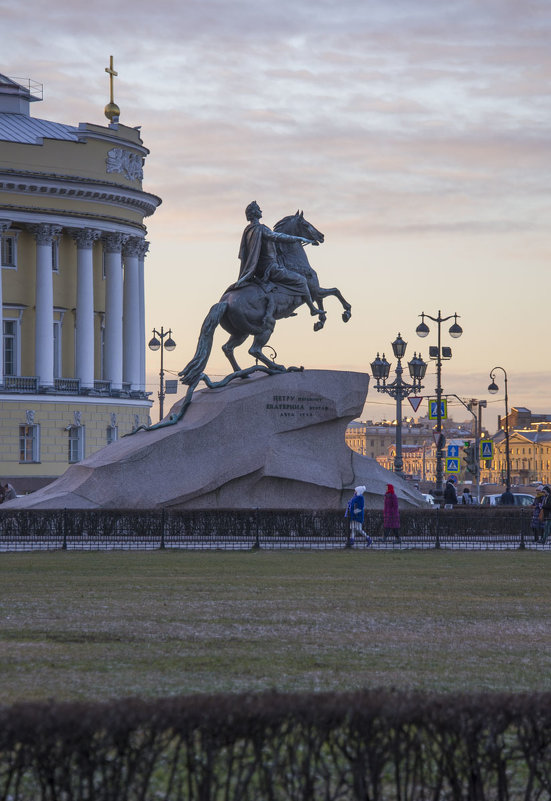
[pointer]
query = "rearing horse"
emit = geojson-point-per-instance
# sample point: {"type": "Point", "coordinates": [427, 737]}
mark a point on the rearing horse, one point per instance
{"type": "Point", "coordinates": [242, 312]}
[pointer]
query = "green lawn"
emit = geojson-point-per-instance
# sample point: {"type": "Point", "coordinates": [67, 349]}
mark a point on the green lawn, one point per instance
{"type": "Point", "coordinates": [99, 625]}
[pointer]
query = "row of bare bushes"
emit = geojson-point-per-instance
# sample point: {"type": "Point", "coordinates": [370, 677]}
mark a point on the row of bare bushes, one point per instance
{"type": "Point", "coordinates": [368, 746]}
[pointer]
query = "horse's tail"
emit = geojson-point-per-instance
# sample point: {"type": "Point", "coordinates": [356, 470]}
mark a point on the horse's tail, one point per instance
{"type": "Point", "coordinates": [192, 371]}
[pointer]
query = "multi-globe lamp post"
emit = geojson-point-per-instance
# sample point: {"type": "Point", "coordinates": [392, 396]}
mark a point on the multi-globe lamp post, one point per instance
{"type": "Point", "coordinates": [439, 353]}
{"type": "Point", "coordinates": [493, 388]}
{"type": "Point", "coordinates": [398, 389]}
{"type": "Point", "coordinates": [155, 344]}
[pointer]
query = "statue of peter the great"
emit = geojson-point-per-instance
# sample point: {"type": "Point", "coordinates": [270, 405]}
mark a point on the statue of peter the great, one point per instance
{"type": "Point", "coordinates": [260, 260]}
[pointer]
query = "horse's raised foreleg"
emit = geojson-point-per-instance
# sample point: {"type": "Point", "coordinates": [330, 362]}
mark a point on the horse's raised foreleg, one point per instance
{"type": "Point", "coordinates": [317, 297]}
{"type": "Point", "coordinates": [322, 293]}
{"type": "Point", "coordinates": [318, 325]}
{"type": "Point", "coordinates": [256, 350]}
{"type": "Point", "coordinates": [233, 342]}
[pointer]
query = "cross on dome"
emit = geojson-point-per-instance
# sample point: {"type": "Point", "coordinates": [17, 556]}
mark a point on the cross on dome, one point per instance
{"type": "Point", "coordinates": [112, 111]}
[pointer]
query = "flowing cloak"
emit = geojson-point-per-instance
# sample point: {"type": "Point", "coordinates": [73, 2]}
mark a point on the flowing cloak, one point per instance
{"type": "Point", "coordinates": [249, 251]}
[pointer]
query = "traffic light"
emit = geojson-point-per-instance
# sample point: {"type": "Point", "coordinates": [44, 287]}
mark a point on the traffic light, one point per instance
{"type": "Point", "coordinates": [471, 459]}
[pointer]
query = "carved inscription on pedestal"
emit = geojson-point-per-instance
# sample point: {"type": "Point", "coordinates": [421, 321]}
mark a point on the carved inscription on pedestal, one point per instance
{"type": "Point", "coordinates": [299, 406]}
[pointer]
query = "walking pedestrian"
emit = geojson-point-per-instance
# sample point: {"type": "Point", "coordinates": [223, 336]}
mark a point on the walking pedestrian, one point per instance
{"type": "Point", "coordinates": [355, 511]}
{"type": "Point", "coordinates": [536, 524]}
{"type": "Point", "coordinates": [391, 514]}
{"type": "Point", "coordinates": [507, 498]}
{"type": "Point", "coordinates": [450, 495]}
{"type": "Point", "coordinates": [467, 498]}
{"type": "Point", "coordinates": [546, 509]}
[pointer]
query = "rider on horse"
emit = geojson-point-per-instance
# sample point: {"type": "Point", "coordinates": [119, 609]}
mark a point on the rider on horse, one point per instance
{"type": "Point", "coordinates": [259, 260]}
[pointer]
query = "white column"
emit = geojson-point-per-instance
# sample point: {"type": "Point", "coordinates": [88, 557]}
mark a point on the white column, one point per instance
{"type": "Point", "coordinates": [44, 304]}
{"type": "Point", "coordinates": [141, 279]}
{"type": "Point", "coordinates": [131, 314]}
{"type": "Point", "coordinates": [84, 356]}
{"type": "Point", "coordinates": [112, 359]}
{"type": "Point", "coordinates": [4, 225]}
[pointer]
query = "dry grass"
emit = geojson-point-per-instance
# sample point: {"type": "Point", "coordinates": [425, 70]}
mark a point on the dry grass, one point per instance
{"type": "Point", "coordinates": [100, 625]}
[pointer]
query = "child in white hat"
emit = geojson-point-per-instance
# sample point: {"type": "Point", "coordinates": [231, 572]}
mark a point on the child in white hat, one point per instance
{"type": "Point", "coordinates": [355, 512]}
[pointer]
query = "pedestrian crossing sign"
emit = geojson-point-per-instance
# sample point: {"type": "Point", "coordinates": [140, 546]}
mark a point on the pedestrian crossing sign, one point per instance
{"type": "Point", "coordinates": [452, 465]}
{"type": "Point", "coordinates": [486, 449]}
{"type": "Point", "coordinates": [433, 409]}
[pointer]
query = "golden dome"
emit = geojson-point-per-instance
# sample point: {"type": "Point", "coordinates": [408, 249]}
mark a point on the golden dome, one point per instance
{"type": "Point", "coordinates": [112, 111]}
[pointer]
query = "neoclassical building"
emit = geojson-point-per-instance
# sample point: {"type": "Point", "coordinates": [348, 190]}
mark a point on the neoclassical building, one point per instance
{"type": "Point", "coordinates": [72, 361]}
{"type": "Point", "coordinates": [529, 456]}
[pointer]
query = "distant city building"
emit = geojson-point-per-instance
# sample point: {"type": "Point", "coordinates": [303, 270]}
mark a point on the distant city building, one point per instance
{"type": "Point", "coordinates": [529, 447]}
{"type": "Point", "coordinates": [521, 417]}
{"type": "Point", "coordinates": [419, 461]}
{"type": "Point", "coordinates": [378, 441]}
{"type": "Point", "coordinates": [72, 356]}
{"type": "Point", "coordinates": [529, 456]}
{"type": "Point", "coordinates": [374, 439]}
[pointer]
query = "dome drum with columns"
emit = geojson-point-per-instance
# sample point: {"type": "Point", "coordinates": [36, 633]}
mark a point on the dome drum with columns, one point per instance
{"type": "Point", "coordinates": [73, 247]}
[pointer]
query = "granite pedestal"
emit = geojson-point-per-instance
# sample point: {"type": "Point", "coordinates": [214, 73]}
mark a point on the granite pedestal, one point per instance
{"type": "Point", "coordinates": [267, 441]}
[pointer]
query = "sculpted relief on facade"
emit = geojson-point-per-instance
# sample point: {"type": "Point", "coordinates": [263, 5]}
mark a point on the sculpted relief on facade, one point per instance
{"type": "Point", "coordinates": [126, 163]}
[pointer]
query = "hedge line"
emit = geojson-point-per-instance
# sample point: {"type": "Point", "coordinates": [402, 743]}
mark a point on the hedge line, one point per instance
{"type": "Point", "coordinates": [370, 745]}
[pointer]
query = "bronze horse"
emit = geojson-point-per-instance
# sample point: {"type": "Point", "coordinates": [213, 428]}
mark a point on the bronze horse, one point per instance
{"type": "Point", "coordinates": [242, 311]}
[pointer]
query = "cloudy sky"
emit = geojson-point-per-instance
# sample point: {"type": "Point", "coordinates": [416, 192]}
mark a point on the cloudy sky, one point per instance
{"type": "Point", "coordinates": [413, 133]}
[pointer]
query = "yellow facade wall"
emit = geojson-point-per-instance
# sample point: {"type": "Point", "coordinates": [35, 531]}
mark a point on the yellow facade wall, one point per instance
{"type": "Point", "coordinates": [54, 417]}
{"type": "Point", "coordinates": [74, 159]}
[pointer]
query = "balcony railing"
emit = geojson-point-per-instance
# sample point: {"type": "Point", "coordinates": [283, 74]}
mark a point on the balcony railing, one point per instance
{"type": "Point", "coordinates": [30, 385]}
{"type": "Point", "coordinates": [102, 387]}
{"type": "Point", "coordinates": [20, 383]}
{"type": "Point", "coordinates": [69, 386]}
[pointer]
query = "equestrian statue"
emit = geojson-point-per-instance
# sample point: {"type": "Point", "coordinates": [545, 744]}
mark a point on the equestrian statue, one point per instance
{"type": "Point", "coordinates": [275, 278]}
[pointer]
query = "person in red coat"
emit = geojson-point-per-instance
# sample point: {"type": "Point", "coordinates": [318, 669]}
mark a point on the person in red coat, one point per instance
{"type": "Point", "coordinates": [391, 515]}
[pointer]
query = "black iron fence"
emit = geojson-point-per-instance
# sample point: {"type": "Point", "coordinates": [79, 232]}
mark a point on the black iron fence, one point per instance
{"type": "Point", "coordinates": [209, 529]}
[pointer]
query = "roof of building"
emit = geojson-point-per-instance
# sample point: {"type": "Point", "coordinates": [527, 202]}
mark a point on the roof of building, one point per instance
{"type": "Point", "coordinates": [16, 123]}
{"type": "Point", "coordinates": [31, 131]}
{"type": "Point", "coordinates": [532, 435]}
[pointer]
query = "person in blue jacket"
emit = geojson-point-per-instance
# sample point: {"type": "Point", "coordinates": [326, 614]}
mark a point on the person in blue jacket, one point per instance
{"type": "Point", "coordinates": [355, 513]}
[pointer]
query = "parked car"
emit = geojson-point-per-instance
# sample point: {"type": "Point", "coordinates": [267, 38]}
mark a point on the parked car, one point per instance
{"type": "Point", "coordinates": [521, 499]}
{"type": "Point", "coordinates": [428, 498]}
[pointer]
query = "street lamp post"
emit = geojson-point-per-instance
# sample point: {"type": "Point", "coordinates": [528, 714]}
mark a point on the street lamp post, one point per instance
{"type": "Point", "coordinates": [155, 344]}
{"type": "Point", "coordinates": [471, 406]}
{"type": "Point", "coordinates": [493, 388]}
{"type": "Point", "coordinates": [399, 388]}
{"type": "Point", "coordinates": [438, 353]}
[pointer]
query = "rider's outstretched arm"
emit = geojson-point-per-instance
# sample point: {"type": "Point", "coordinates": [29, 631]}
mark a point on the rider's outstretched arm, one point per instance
{"type": "Point", "coordinates": [281, 237]}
